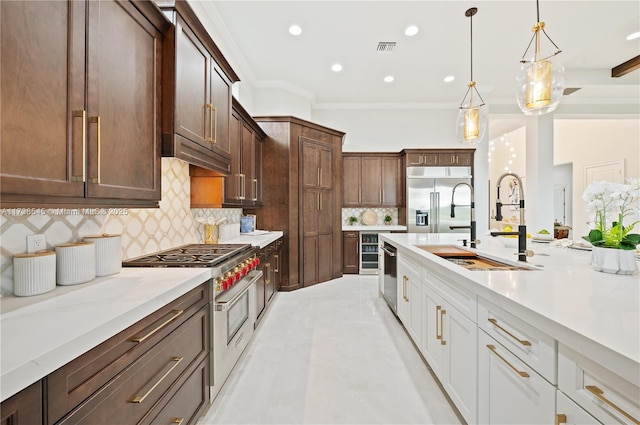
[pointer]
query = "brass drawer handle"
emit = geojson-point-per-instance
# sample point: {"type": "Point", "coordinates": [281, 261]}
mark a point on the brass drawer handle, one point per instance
{"type": "Point", "coordinates": [82, 114]}
{"type": "Point", "coordinates": [174, 315]}
{"type": "Point", "coordinates": [277, 259]}
{"type": "Point", "coordinates": [561, 418]}
{"type": "Point", "coordinates": [175, 361]}
{"type": "Point", "coordinates": [177, 421]}
{"type": "Point", "coordinates": [600, 396]}
{"type": "Point", "coordinates": [521, 341]}
{"type": "Point", "coordinates": [519, 372]}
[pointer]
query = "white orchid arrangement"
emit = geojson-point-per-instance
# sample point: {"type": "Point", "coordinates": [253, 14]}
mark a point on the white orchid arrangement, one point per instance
{"type": "Point", "coordinates": [608, 204]}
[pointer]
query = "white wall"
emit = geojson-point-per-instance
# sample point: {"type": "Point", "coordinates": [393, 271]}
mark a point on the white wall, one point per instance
{"type": "Point", "coordinates": [585, 142]}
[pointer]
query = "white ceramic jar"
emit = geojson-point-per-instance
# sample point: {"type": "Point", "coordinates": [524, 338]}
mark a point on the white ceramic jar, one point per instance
{"type": "Point", "coordinates": [34, 273]}
{"type": "Point", "coordinates": [108, 253]}
{"type": "Point", "coordinates": [75, 263]}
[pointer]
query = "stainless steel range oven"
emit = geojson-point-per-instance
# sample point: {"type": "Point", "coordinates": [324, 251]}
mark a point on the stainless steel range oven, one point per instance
{"type": "Point", "coordinates": [235, 276]}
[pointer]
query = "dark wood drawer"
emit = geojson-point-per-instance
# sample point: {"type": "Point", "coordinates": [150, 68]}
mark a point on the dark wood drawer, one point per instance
{"type": "Point", "coordinates": [188, 403]}
{"type": "Point", "coordinates": [24, 408]}
{"type": "Point", "coordinates": [79, 379]}
{"type": "Point", "coordinates": [129, 397]}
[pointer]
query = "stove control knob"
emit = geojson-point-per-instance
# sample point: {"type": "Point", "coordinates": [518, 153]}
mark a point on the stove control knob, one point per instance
{"type": "Point", "coordinates": [219, 284]}
{"type": "Point", "coordinates": [249, 264]}
{"type": "Point", "coordinates": [256, 262]}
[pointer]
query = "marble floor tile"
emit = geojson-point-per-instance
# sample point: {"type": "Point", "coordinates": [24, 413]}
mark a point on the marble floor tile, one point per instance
{"type": "Point", "coordinates": [332, 353]}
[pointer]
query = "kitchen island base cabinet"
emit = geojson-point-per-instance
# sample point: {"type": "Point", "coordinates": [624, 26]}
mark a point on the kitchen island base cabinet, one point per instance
{"type": "Point", "coordinates": [24, 408]}
{"type": "Point", "coordinates": [509, 391]}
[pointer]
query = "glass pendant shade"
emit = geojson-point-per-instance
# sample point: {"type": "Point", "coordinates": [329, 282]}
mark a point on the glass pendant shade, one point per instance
{"type": "Point", "coordinates": [540, 82]}
{"type": "Point", "coordinates": [540, 87]}
{"type": "Point", "coordinates": [472, 123]}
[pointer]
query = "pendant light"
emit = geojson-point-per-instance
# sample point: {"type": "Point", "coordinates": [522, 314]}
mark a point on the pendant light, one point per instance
{"type": "Point", "coordinates": [540, 83]}
{"type": "Point", "coordinates": [472, 118]}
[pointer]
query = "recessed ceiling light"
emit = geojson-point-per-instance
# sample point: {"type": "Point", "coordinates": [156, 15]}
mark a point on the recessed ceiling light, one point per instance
{"type": "Point", "coordinates": [633, 36]}
{"type": "Point", "coordinates": [388, 79]}
{"type": "Point", "coordinates": [336, 67]}
{"type": "Point", "coordinates": [411, 30]}
{"type": "Point", "coordinates": [449, 78]}
{"type": "Point", "coordinates": [295, 30]}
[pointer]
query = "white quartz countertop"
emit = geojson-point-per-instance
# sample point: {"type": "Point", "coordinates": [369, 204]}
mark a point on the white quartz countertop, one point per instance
{"type": "Point", "coordinates": [594, 312]}
{"type": "Point", "coordinates": [39, 334]}
{"type": "Point", "coordinates": [374, 228]}
{"type": "Point", "coordinates": [257, 239]}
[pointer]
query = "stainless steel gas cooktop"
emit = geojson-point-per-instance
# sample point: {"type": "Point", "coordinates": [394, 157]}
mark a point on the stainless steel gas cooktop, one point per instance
{"type": "Point", "coordinates": [195, 255]}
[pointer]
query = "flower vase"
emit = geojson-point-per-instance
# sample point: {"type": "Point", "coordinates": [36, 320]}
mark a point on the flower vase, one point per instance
{"type": "Point", "coordinates": [610, 260]}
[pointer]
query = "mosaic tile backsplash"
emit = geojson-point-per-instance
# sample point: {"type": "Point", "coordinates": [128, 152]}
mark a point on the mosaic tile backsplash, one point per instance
{"type": "Point", "coordinates": [380, 213]}
{"type": "Point", "coordinates": [143, 230]}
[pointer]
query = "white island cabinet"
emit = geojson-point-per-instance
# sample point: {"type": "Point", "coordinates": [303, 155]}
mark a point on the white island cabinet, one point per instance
{"type": "Point", "coordinates": [557, 343]}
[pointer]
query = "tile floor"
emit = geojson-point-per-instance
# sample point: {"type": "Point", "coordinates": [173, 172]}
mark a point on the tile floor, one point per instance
{"type": "Point", "coordinates": [332, 353]}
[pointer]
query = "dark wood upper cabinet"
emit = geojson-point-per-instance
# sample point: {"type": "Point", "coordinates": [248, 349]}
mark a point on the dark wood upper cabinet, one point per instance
{"type": "Point", "coordinates": [196, 93]}
{"type": "Point", "coordinates": [81, 102]}
{"type": "Point", "coordinates": [438, 157]}
{"type": "Point", "coordinates": [372, 180]}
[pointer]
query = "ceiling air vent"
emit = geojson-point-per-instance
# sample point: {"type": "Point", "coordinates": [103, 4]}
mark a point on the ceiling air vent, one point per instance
{"type": "Point", "coordinates": [570, 90]}
{"type": "Point", "coordinates": [386, 46]}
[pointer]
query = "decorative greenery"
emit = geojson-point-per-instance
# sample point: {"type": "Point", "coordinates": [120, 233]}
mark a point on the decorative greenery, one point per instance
{"type": "Point", "coordinates": [388, 218]}
{"type": "Point", "coordinates": [353, 220]}
{"type": "Point", "coordinates": [610, 203]}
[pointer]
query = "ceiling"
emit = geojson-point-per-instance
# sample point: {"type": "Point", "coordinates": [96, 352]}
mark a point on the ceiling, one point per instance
{"type": "Point", "coordinates": [590, 33]}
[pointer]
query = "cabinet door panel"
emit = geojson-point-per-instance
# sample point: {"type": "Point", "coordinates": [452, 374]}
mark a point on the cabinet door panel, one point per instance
{"type": "Point", "coordinates": [569, 413]}
{"type": "Point", "coordinates": [506, 397]}
{"type": "Point", "coordinates": [326, 167]}
{"type": "Point", "coordinates": [248, 165]}
{"type": "Point", "coordinates": [310, 210]}
{"type": "Point", "coordinates": [310, 260]}
{"type": "Point", "coordinates": [350, 252]}
{"type": "Point", "coordinates": [310, 165]}
{"type": "Point", "coordinates": [325, 257]}
{"type": "Point", "coordinates": [192, 86]}
{"type": "Point", "coordinates": [325, 213]}
{"type": "Point", "coordinates": [433, 349]}
{"type": "Point", "coordinates": [221, 101]}
{"type": "Point", "coordinates": [24, 408]}
{"type": "Point", "coordinates": [42, 83]}
{"type": "Point", "coordinates": [123, 95]}
{"type": "Point", "coordinates": [391, 182]}
{"type": "Point", "coordinates": [371, 181]}
{"type": "Point", "coordinates": [351, 181]}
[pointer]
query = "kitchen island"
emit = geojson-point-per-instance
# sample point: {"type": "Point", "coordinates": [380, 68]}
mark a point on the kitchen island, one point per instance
{"type": "Point", "coordinates": [574, 308]}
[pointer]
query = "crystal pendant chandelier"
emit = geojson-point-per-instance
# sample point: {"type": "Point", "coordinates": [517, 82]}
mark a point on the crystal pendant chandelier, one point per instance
{"type": "Point", "coordinates": [540, 82]}
{"type": "Point", "coordinates": [472, 117]}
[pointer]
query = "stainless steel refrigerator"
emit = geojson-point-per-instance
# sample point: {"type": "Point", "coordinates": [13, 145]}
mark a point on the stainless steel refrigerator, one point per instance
{"type": "Point", "coordinates": [429, 194]}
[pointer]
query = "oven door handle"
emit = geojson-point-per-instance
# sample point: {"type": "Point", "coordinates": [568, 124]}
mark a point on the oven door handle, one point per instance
{"type": "Point", "coordinates": [226, 300]}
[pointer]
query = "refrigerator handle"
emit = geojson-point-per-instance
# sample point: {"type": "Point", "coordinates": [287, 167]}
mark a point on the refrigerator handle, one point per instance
{"type": "Point", "coordinates": [437, 216]}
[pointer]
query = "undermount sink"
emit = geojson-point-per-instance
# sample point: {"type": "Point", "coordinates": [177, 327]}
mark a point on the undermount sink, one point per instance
{"type": "Point", "coordinates": [470, 260]}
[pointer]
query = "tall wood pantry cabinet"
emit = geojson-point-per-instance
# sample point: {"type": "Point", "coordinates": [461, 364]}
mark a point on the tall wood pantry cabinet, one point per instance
{"type": "Point", "coordinates": [80, 100]}
{"type": "Point", "coordinates": [302, 196]}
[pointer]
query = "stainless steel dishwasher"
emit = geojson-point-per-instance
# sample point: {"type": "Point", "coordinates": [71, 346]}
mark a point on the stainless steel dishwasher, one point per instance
{"type": "Point", "coordinates": [390, 288]}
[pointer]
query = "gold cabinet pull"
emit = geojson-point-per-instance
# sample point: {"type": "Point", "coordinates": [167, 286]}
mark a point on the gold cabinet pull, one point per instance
{"type": "Point", "coordinates": [254, 187]}
{"type": "Point", "coordinates": [213, 122]}
{"type": "Point", "coordinates": [82, 114]}
{"type": "Point", "coordinates": [600, 396]}
{"type": "Point", "coordinates": [173, 316]}
{"type": "Point", "coordinates": [172, 365]}
{"type": "Point", "coordinates": [404, 288]}
{"type": "Point", "coordinates": [177, 421]}
{"type": "Point", "coordinates": [519, 372]}
{"type": "Point", "coordinates": [277, 259]}
{"type": "Point", "coordinates": [267, 279]}
{"type": "Point", "coordinates": [96, 120]}
{"type": "Point", "coordinates": [521, 341]}
{"type": "Point", "coordinates": [241, 186]}
{"type": "Point", "coordinates": [442, 313]}
{"type": "Point", "coordinates": [561, 418]}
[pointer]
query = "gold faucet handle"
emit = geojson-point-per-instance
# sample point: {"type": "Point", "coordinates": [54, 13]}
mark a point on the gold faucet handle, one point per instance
{"type": "Point", "coordinates": [527, 252]}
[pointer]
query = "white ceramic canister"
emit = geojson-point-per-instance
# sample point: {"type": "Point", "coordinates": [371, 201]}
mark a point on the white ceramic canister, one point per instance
{"type": "Point", "coordinates": [108, 253]}
{"type": "Point", "coordinates": [34, 273]}
{"type": "Point", "coordinates": [75, 263]}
